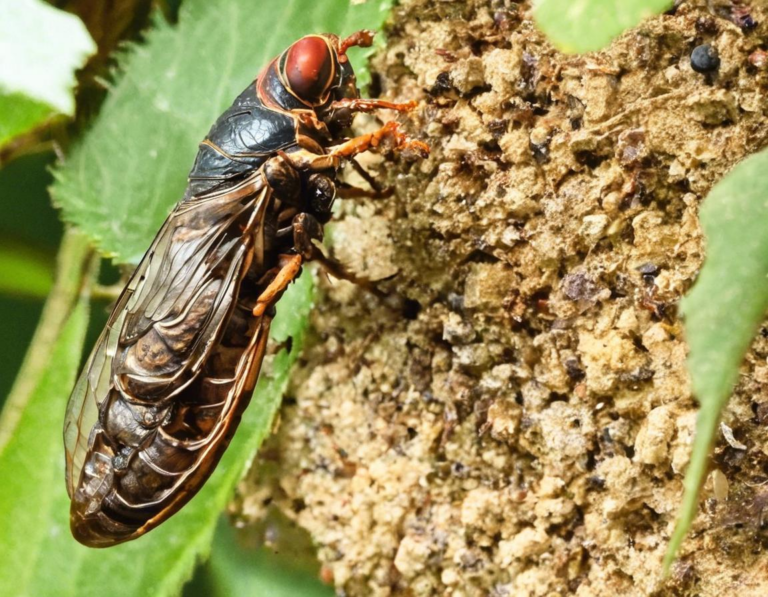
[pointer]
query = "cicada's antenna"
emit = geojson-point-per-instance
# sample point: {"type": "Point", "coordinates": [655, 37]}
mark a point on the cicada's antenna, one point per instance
{"type": "Point", "coordinates": [362, 38]}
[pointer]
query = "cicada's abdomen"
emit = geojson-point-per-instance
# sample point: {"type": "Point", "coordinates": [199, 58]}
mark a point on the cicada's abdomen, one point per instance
{"type": "Point", "coordinates": [149, 460]}
{"type": "Point", "coordinates": [174, 384]}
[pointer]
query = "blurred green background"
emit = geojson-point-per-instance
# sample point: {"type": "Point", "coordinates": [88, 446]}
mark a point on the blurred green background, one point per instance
{"type": "Point", "coordinates": [30, 228]}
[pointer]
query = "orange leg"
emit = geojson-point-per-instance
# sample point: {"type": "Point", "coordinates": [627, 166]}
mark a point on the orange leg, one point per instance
{"type": "Point", "coordinates": [288, 268]}
{"type": "Point", "coordinates": [390, 131]}
{"type": "Point", "coordinates": [369, 105]}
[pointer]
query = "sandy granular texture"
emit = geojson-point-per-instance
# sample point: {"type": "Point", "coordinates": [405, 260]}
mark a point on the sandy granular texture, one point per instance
{"type": "Point", "coordinates": [522, 426]}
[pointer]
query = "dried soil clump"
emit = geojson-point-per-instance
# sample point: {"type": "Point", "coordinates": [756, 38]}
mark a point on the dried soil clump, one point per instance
{"type": "Point", "coordinates": [520, 422]}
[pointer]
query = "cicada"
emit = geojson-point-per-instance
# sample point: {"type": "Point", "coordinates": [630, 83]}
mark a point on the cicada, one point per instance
{"type": "Point", "coordinates": [163, 390]}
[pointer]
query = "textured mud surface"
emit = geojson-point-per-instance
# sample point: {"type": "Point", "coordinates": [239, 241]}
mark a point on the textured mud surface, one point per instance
{"type": "Point", "coordinates": [523, 427]}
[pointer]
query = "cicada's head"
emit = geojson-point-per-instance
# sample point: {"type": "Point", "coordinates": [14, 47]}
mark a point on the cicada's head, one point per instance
{"type": "Point", "coordinates": [316, 71]}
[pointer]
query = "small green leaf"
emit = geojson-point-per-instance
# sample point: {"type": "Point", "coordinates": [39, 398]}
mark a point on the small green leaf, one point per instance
{"type": "Point", "coordinates": [578, 26]}
{"type": "Point", "coordinates": [42, 47]}
{"type": "Point", "coordinates": [39, 557]}
{"type": "Point", "coordinates": [724, 310]}
{"type": "Point", "coordinates": [19, 114]}
{"type": "Point", "coordinates": [25, 271]}
{"type": "Point", "coordinates": [121, 182]}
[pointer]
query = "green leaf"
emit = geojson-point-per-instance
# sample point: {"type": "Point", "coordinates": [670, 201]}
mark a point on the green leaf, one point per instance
{"type": "Point", "coordinates": [724, 310]}
{"type": "Point", "coordinates": [234, 570]}
{"type": "Point", "coordinates": [122, 180]}
{"type": "Point", "coordinates": [19, 114]}
{"type": "Point", "coordinates": [25, 271]}
{"type": "Point", "coordinates": [39, 557]}
{"type": "Point", "coordinates": [578, 26]}
{"type": "Point", "coordinates": [42, 47]}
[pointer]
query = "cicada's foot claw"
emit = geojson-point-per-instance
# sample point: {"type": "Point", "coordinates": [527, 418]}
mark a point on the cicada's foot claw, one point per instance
{"type": "Point", "coordinates": [415, 150]}
{"type": "Point", "coordinates": [361, 39]}
{"type": "Point", "coordinates": [410, 148]}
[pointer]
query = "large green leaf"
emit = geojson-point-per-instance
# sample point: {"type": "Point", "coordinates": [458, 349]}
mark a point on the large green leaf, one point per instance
{"type": "Point", "coordinates": [121, 181]}
{"type": "Point", "coordinates": [41, 48]}
{"type": "Point", "coordinates": [39, 557]}
{"type": "Point", "coordinates": [588, 25]}
{"type": "Point", "coordinates": [724, 309]}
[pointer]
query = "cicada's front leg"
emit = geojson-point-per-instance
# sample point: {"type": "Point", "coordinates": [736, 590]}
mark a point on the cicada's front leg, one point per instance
{"type": "Point", "coordinates": [388, 135]}
{"type": "Point", "coordinates": [362, 39]}
{"type": "Point", "coordinates": [308, 160]}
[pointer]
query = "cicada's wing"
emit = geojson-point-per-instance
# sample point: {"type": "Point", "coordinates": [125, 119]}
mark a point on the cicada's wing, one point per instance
{"type": "Point", "coordinates": [94, 383]}
{"type": "Point", "coordinates": [167, 319]}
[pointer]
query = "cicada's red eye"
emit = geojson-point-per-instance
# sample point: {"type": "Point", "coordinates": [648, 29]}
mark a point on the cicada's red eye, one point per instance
{"type": "Point", "coordinates": [309, 68]}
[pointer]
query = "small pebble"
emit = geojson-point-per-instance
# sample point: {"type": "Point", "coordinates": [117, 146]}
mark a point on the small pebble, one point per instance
{"type": "Point", "coordinates": [704, 59]}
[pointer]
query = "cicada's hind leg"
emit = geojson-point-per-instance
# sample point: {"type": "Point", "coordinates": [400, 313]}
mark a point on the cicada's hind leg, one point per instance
{"type": "Point", "coordinates": [307, 234]}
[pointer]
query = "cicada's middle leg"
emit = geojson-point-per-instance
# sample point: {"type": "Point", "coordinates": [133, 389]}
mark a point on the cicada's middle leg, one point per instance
{"type": "Point", "coordinates": [289, 266]}
{"type": "Point", "coordinates": [390, 134]}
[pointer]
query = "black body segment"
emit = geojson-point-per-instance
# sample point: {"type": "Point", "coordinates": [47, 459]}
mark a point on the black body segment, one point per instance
{"type": "Point", "coordinates": [242, 139]}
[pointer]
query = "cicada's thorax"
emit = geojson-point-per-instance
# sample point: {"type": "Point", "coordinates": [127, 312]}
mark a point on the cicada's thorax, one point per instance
{"type": "Point", "coordinates": [266, 118]}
